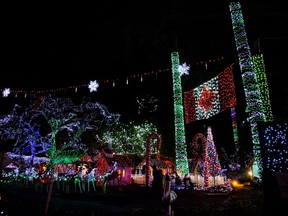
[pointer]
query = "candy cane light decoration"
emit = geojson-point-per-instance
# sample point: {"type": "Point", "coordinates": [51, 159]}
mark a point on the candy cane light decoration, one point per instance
{"type": "Point", "coordinates": [148, 154]}
{"type": "Point", "coordinates": [204, 154]}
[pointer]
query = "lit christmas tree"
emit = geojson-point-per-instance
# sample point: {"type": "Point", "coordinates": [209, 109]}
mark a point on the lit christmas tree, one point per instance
{"type": "Point", "coordinates": [212, 165]}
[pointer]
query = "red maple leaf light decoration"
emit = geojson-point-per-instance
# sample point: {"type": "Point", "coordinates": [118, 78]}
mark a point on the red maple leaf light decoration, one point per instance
{"type": "Point", "coordinates": [206, 99]}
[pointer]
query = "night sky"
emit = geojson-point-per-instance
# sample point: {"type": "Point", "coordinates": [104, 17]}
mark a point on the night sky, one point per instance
{"type": "Point", "coordinates": [48, 47]}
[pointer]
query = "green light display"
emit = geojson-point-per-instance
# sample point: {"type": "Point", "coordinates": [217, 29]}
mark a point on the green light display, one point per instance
{"type": "Point", "coordinates": [251, 89]}
{"type": "Point", "coordinates": [259, 68]}
{"type": "Point", "coordinates": [180, 143]}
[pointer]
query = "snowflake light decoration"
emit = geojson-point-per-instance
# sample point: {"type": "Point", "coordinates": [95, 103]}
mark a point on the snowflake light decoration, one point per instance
{"type": "Point", "coordinates": [93, 86]}
{"type": "Point", "coordinates": [147, 104]}
{"type": "Point", "coordinates": [183, 69]}
{"type": "Point", "coordinates": [6, 92]}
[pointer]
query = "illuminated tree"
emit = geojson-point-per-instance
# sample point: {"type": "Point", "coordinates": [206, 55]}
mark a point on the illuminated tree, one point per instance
{"type": "Point", "coordinates": [207, 158]}
{"type": "Point", "coordinates": [70, 121]}
{"type": "Point", "coordinates": [22, 127]}
{"type": "Point", "coordinates": [62, 123]}
{"type": "Point", "coordinates": [67, 122]}
{"type": "Point", "coordinates": [128, 138]}
{"type": "Point", "coordinates": [212, 163]}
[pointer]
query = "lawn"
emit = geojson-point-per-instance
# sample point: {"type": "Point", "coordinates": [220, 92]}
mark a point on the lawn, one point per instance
{"type": "Point", "coordinates": [130, 200]}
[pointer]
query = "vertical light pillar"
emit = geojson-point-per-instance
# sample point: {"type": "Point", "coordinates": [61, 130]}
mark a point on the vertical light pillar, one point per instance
{"type": "Point", "coordinates": [180, 143]}
{"type": "Point", "coordinates": [235, 129]}
{"type": "Point", "coordinates": [259, 68]}
{"type": "Point", "coordinates": [252, 94]}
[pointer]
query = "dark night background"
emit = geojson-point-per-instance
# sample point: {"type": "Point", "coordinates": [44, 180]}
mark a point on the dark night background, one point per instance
{"type": "Point", "coordinates": [48, 47]}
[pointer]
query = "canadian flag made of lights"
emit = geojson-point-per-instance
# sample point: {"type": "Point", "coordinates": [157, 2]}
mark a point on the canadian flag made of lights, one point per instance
{"type": "Point", "coordinates": [211, 97]}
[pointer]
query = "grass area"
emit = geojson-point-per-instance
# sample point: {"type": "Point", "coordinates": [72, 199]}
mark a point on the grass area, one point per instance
{"type": "Point", "coordinates": [130, 200]}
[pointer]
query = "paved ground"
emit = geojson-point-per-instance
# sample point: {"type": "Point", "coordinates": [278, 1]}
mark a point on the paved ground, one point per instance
{"type": "Point", "coordinates": [132, 200]}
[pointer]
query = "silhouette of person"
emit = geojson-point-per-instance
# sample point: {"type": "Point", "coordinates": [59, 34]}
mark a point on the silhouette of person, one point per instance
{"type": "Point", "coordinates": [157, 178]}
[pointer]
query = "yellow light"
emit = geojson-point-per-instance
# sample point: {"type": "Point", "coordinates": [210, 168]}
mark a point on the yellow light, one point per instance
{"type": "Point", "coordinates": [234, 183]}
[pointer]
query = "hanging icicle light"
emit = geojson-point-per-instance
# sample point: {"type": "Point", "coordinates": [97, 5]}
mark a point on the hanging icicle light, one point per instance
{"type": "Point", "coordinates": [64, 89]}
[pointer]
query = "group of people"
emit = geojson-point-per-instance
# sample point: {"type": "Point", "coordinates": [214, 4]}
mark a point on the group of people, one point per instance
{"type": "Point", "coordinates": [176, 180]}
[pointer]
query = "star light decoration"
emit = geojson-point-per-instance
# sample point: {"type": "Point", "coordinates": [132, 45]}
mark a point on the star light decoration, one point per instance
{"type": "Point", "coordinates": [93, 86]}
{"type": "Point", "coordinates": [183, 69]}
{"type": "Point", "coordinates": [6, 92]}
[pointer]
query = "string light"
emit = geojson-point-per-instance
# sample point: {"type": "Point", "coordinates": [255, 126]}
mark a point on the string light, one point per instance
{"type": "Point", "coordinates": [274, 140]}
{"type": "Point", "coordinates": [67, 88]}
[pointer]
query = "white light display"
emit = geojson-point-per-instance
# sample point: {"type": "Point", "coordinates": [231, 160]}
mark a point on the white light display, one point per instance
{"type": "Point", "coordinates": [6, 92]}
{"type": "Point", "coordinates": [93, 86]}
{"type": "Point", "coordinates": [183, 69]}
